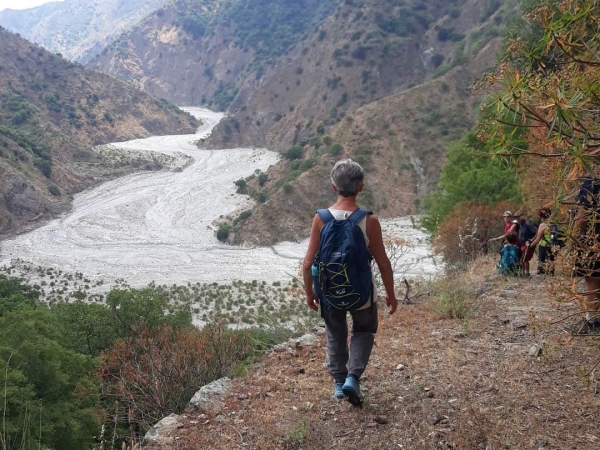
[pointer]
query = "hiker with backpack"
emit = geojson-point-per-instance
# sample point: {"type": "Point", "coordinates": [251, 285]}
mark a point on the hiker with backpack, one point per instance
{"type": "Point", "coordinates": [527, 232]}
{"type": "Point", "coordinates": [338, 278]}
{"type": "Point", "coordinates": [548, 239]}
{"type": "Point", "coordinates": [587, 261]}
{"type": "Point", "coordinates": [510, 260]}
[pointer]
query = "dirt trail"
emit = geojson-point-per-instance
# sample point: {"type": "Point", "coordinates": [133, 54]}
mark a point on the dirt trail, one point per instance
{"type": "Point", "coordinates": [462, 384]}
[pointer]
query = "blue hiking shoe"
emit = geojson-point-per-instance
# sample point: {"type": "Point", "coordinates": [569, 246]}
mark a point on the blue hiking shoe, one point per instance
{"type": "Point", "coordinates": [351, 390]}
{"type": "Point", "coordinates": [338, 392]}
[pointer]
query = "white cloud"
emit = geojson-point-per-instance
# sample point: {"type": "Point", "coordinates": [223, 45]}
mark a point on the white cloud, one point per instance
{"type": "Point", "coordinates": [23, 4]}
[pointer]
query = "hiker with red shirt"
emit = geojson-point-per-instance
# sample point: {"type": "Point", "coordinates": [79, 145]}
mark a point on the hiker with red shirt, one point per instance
{"type": "Point", "coordinates": [509, 227]}
{"type": "Point", "coordinates": [527, 232]}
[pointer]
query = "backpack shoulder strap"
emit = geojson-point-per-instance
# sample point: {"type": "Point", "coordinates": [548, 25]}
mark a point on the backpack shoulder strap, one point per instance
{"type": "Point", "coordinates": [358, 215]}
{"type": "Point", "coordinates": [325, 215]}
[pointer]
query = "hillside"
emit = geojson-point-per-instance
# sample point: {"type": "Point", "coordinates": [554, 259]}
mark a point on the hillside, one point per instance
{"type": "Point", "coordinates": [78, 29]}
{"type": "Point", "coordinates": [479, 364]}
{"type": "Point", "coordinates": [400, 138]}
{"type": "Point", "coordinates": [51, 113]}
{"type": "Point", "coordinates": [386, 81]}
{"type": "Point", "coordinates": [203, 51]}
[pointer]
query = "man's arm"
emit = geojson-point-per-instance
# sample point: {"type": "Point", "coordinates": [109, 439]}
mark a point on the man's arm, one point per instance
{"type": "Point", "coordinates": [377, 249]}
{"type": "Point", "coordinates": [311, 252]}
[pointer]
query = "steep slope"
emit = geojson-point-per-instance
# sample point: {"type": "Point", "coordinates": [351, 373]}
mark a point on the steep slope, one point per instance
{"type": "Point", "coordinates": [51, 113]}
{"type": "Point", "coordinates": [78, 29]}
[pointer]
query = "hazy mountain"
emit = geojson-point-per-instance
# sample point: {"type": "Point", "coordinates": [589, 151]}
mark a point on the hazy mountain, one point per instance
{"type": "Point", "coordinates": [78, 29]}
{"type": "Point", "coordinates": [52, 112]}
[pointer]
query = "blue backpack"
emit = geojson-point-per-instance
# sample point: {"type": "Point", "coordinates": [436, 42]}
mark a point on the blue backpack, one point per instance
{"type": "Point", "coordinates": [509, 263]}
{"type": "Point", "coordinates": [341, 272]}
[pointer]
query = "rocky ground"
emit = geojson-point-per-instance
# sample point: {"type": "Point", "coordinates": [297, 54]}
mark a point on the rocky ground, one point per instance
{"type": "Point", "coordinates": [481, 362]}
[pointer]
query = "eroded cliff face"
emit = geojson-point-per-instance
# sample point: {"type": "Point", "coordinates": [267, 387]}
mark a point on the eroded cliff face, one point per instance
{"type": "Point", "coordinates": [78, 29]}
{"type": "Point", "coordinates": [51, 113]}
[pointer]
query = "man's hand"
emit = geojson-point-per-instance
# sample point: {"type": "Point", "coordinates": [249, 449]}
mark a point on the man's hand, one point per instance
{"type": "Point", "coordinates": [392, 303]}
{"type": "Point", "coordinates": [312, 301]}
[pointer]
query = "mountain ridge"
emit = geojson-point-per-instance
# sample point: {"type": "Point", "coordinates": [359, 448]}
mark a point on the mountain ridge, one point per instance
{"type": "Point", "coordinates": [52, 112]}
{"type": "Point", "coordinates": [78, 29]}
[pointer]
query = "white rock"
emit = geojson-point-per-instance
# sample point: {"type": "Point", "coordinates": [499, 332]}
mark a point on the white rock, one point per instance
{"type": "Point", "coordinates": [400, 367]}
{"type": "Point", "coordinates": [211, 394]}
{"type": "Point", "coordinates": [308, 340]}
{"type": "Point", "coordinates": [535, 350]}
{"type": "Point", "coordinates": [161, 432]}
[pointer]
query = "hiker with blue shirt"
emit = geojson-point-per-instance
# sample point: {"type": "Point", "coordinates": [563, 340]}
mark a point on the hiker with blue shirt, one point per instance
{"type": "Point", "coordinates": [338, 279]}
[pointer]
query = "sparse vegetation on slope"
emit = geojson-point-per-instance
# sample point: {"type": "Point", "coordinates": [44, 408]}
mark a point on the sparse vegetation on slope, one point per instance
{"type": "Point", "coordinates": [51, 113]}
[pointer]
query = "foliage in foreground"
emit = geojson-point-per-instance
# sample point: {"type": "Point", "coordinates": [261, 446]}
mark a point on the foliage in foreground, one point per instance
{"type": "Point", "coordinates": [70, 370]}
{"type": "Point", "coordinates": [549, 87]}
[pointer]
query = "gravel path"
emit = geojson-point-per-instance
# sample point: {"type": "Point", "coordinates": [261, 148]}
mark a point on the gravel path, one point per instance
{"type": "Point", "coordinates": [160, 226]}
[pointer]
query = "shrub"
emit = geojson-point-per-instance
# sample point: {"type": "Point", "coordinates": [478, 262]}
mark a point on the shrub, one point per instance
{"type": "Point", "coordinates": [157, 372]}
{"type": "Point", "coordinates": [243, 216]}
{"type": "Point", "coordinates": [335, 149]}
{"type": "Point", "coordinates": [288, 188]}
{"type": "Point", "coordinates": [361, 52]}
{"type": "Point", "coordinates": [194, 25]}
{"type": "Point", "coordinates": [109, 118]}
{"type": "Point", "coordinates": [241, 186]}
{"type": "Point", "coordinates": [295, 152]}
{"type": "Point", "coordinates": [437, 60]}
{"type": "Point", "coordinates": [463, 234]}
{"type": "Point", "coordinates": [54, 190]}
{"type": "Point", "coordinates": [223, 232]}
{"type": "Point", "coordinates": [262, 178]}
{"type": "Point", "coordinates": [261, 197]}
{"type": "Point", "coordinates": [451, 300]}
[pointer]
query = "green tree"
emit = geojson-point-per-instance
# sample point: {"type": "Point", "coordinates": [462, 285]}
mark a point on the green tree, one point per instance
{"type": "Point", "coordinates": [150, 306]}
{"type": "Point", "coordinates": [470, 174]}
{"type": "Point", "coordinates": [45, 383]}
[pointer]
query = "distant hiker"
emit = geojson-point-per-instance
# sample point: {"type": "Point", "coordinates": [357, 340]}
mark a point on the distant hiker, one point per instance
{"type": "Point", "coordinates": [510, 260]}
{"type": "Point", "coordinates": [337, 277]}
{"type": "Point", "coordinates": [547, 243]}
{"type": "Point", "coordinates": [527, 232]}
{"type": "Point", "coordinates": [509, 227]}
{"type": "Point", "coordinates": [587, 263]}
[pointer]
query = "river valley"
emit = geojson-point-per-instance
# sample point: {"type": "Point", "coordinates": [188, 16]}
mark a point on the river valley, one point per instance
{"type": "Point", "coordinates": [160, 226]}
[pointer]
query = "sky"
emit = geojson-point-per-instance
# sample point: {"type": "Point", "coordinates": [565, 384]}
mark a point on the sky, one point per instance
{"type": "Point", "coordinates": [22, 4]}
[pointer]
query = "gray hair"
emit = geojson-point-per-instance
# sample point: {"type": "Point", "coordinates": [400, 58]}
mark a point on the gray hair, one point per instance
{"type": "Point", "coordinates": [347, 176]}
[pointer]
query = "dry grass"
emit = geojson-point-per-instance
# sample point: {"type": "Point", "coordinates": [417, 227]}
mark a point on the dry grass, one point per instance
{"type": "Point", "coordinates": [467, 383]}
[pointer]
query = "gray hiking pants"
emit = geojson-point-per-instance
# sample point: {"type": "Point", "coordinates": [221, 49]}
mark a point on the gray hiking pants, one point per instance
{"type": "Point", "coordinates": [340, 362]}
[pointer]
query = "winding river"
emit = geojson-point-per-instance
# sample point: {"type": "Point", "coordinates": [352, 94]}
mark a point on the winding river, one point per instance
{"type": "Point", "coordinates": [159, 226]}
